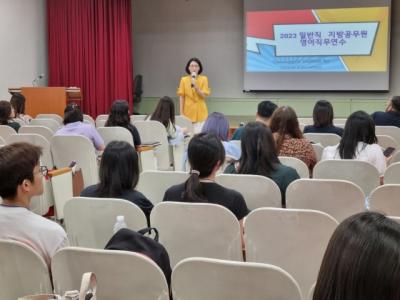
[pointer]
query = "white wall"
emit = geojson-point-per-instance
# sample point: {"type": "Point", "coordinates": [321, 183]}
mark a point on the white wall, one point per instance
{"type": "Point", "coordinates": [23, 43]}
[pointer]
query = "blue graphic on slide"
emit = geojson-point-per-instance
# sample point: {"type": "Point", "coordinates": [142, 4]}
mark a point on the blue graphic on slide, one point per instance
{"type": "Point", "coordinates": [265, 60]}
{"type": "Point", "coordinates": [310, 47]}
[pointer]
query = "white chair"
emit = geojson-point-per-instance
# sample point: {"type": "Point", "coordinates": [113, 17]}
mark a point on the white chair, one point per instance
{"type": "Point", "coordinates": [163, 179]}
{"type": "Point", "coordinates": [212, 279]}
{"type": "Point", "coordinates": [6, 131]}
{"type": "Point", "coordinates": [338, 198]}
{"type": "Point", "coordinates": [120, 275]}
{"type": "Point", "coordinates": [88, 119]}
{"type": "Point", "coordinates": [292, 239]}
{"type": "Point", "coordinates": [386, 141]}
{"type": "Point", "coordinates": [197, 229]}
{"type": "Point", "coordinates": [296, 164]}
{"type": "Point", "coordinates": [101, 120]}
{"type": "Point", "coordinates": [39, 204]}
{"type": "Point", "coordinates": [385, 198]}
{"type": "Point", "coordinates": [54, 117]}
{"type": "Point", "coordinates": [44, 131]}
{"type": "Point", "coordinates": [362, 173]}
{"type": "Point", "coordinates": [135, 118]}
{"type": "Point", "coordinates": [306, 121]}
{"type": "Point", "coordinates": [258, 191]}
{"type": "Point", "coordinates": [116, 133]}
{"type": "Point", "coordinates": [340, 121]}
{"type": "Point", "coordinates": [325, 139]}
{"type": "Point", "coordinates": [68, 148]}
{"type": "Point", "coordinates": [154, 131]}
{"type": "Point", "coordinates": [2, 141]}
{"type": "Point", "coordinates": [395, 158]}
{"type": "Point", "coordinates": [53, 125]}
{"type": "Point", "coordinates": [392, 131]}
{"type": "Point", "coordinates": [90, 221]}
{"type": "Point", "coordinates": [184, 122]}
{"type": "Point", "coordinates": [318, 149]}
{"type": "Point", "coordinates": [17, 260]}
{"type": "Point", "coordinates": [392, 174]}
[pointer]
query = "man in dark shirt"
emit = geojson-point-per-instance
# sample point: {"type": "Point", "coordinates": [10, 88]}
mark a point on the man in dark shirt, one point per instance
{"type": "Point", "coordinates": [390, 117]}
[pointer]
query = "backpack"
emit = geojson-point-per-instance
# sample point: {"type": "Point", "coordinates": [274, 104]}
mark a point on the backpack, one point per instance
{"type": "Point", "coordinates": [129, 240]}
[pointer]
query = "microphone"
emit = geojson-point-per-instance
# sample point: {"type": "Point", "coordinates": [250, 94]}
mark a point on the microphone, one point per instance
{"type": "Point", "coordinates": [36, 80]}
{"type": "Point", "coordinates": [193, 75]}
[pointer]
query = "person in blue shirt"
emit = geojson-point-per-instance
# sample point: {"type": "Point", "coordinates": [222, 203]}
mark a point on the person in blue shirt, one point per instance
{"type": "Point", "coordinates": [391, 116]}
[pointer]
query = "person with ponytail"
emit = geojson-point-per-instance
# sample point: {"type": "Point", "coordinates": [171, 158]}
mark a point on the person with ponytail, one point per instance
{"type": "Point", "coordinates": [206, 154]}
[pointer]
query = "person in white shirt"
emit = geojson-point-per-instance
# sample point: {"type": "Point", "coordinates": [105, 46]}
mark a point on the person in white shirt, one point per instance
{"type": "Point", "coordinates": [21, 179]}
{"type": "Point", "coordinates": [358, 142]}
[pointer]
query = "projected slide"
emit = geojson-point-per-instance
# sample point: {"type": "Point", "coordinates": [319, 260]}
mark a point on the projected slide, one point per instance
{"type": "Point", "coordinates": [319, 40]}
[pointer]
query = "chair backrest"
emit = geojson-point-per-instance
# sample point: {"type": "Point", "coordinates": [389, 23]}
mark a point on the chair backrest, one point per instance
{"type": "Point", "coordinates": [197, 229]}
{"type": "Point", "coordinates": [296, 164]}
{"type": "Point", "coordinates": [116, 133]}
{"type": "Point", "coordinates": [17, 261]}
{"type": "Point", "coordinates": [386, 141]}
{"type": "Point", "coordinates": [362, 173]}
{"type": "Point", "coordinates": [164, 180]}
{"type": "Point", "coordinates": [2, 141]}
{"type": "Point", "coordinates": [258, 191]}
{"type": "Point", "coordinates": [338, 198]}
{"type": "Point", "coordinates": [205, 278]}
{"type": "Point", "coordinates": [52, 124]}
{"type": "Point", "coordinates": [183, 121]}
{"type": "Point", "coordinates": [339, 121]}
{"type": "Point", "coordinates": [306, 121]}
{"type": "Point", "coordinates": [325, 139]}
{"type": "Point", "coordinates": [54, 117]}
{"type": "Point", "coordinates": [392, 131]}
{"type": "Point", "coordinates": [68, 148]}
{"type": "Point", "coordinates": [44, 131]}
{"type": "Point", "coordinates": [392, 174]}
{"type": "Point", "coordinates": [318, 149]}
{"type": "Point", "coordinates": [154, 131]}
{"type": "Point", "coordinates": [90, 221]}
{"type": "Point", "coordinates": [385, 198]}
{"type": "Point", "coordinates": [39, 204]}
{"type": "Point", "coordinates": [101, 120]}
{"type": "Point", "coordinates": [120, 275]}
{"type": "Point", "coordinates": [6, 131]}
{"type": "Point", "coordinates": [88, 119]}
{"type": "Point", "coordinates": [292, 239]}
{"type": "Point", "coordinates": [396, 157]}
{"type": "Point", "coordinates": [135, 118]}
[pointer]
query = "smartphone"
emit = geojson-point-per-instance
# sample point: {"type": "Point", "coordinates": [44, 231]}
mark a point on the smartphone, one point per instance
{"type": "Point", "coordinates": [388, 151]}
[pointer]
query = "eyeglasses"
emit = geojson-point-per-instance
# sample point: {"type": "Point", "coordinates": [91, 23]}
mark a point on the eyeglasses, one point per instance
{"type": "Point", "coordinates": [43, 170]}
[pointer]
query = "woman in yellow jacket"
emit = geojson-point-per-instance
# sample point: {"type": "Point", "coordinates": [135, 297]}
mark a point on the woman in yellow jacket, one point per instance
{"type": "Point", "coordinates": [192, 91]}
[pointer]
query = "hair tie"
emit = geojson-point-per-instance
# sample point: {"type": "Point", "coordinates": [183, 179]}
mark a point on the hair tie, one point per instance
{"type": "Point", "coordinates": [195, 172]}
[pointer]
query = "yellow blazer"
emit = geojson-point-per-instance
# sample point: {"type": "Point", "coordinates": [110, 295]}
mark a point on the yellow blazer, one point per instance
{"type": "Point", "coordinates": [195, 107]}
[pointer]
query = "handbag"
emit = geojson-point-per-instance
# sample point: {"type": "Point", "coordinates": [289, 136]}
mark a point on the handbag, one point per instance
{"type": "Point", "coordinates": [129, 240]}
{"type": "Point", "coordinates": [87, 291]}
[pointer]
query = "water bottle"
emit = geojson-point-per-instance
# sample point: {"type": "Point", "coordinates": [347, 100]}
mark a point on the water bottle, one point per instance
{"type": "Point", "coordinates": [120, 223]}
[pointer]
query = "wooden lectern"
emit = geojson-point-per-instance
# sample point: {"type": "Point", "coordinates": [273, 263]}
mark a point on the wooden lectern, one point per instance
{"type": "Point", "coordinates": [47, 100]}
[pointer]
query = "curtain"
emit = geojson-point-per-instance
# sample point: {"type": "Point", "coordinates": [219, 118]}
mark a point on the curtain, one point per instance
{"type": "Point", "coordinates": [90, 46]}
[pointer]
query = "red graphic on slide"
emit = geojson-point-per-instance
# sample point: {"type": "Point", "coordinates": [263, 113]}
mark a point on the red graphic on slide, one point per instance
{"type": "Point", "coordinates": [260, 23]}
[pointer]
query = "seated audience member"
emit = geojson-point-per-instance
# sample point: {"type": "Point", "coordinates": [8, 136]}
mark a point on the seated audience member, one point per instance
{"type": "Point", "coordinates": [218, 124]}
{"type": "Point", "coordinates": [288, 137]}
{"type": "Point", "coordinates": [165, 114]}
{"type": "Point", "coordinates": [119, 116]}
{"type": "Point", "coordinates": [323, 119]}
{"type": "Point", "coordinates": [265, 110]}
{"type": "Point", "coordinates": [74, 125]}
{"type": "Point", "coordinates": [21, 179]}
{"type": "Point", "coordinates": [206, 155]}
{"type": "Point", "coordinates": [358, 142]}
{"type": "Point", "coordinates": [259, 158]}
{"type": "Point", "coordinates": [391, 116]}
{"type": "Point", "coordinates": [18, 106]}
{"type": "Point", "coordinates": [362, 260]}
{"type": "Point", "coordinates": [5, 115]}
{"type": "Point", "coordinates": [119, 175]}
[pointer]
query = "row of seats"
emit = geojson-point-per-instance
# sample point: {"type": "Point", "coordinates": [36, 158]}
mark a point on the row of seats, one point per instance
{"type": "Point", "coordinates": [125, 275]}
